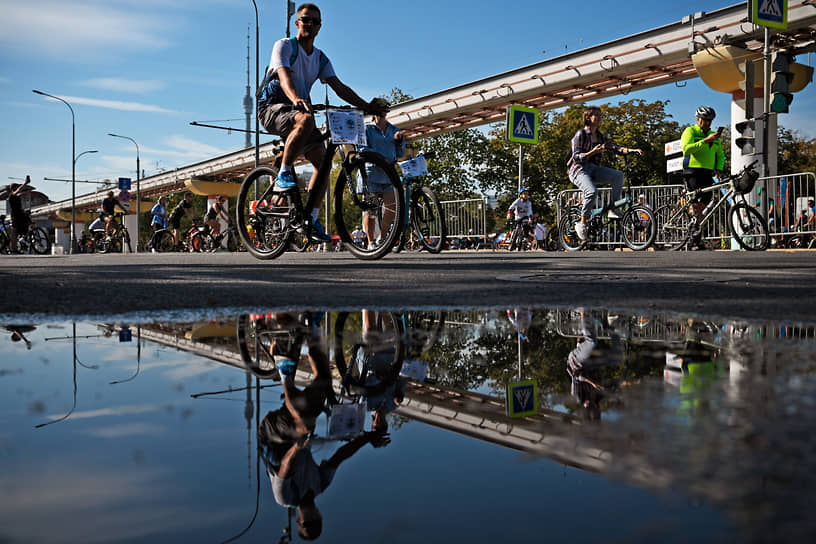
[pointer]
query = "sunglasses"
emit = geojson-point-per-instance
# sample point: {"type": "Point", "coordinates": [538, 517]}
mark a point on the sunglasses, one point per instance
{"type": "Point", "coordinates": [310, 21]}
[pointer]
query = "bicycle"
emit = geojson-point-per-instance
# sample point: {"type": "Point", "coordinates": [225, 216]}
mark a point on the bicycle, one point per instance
{"type": "Point", "coordinates": [35, 241]}
{"type": "Point", "coordinates": [679, 228]}
{"type": "Point", "coordinates": [424, 221]}
{"type": "Point", "coordinates": [521, 237]}
{"type": "Point", "coordinates": [119, 237]}
{"type": "Point", "coordinates": [637, 225]}
{"type": "Point", "coordinates": [162, 240]}
{"type": "Point", "coordinates": [268, 219]}
{"type": "Point", "coordinates": [203, 240]}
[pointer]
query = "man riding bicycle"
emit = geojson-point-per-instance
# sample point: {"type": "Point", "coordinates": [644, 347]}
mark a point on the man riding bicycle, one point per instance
{"type": "Point", "coordinates": [585, 170]}
{"type": "Point", "coordinates": [285, 109]}
{"type": "Point", "coordinates": [109, 205]}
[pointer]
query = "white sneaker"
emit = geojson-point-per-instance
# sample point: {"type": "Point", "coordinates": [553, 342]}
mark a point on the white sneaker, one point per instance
{"type": "Point", "coordinates": [613, 214]}
{"type": "Point", "coordinates": [581, 230]}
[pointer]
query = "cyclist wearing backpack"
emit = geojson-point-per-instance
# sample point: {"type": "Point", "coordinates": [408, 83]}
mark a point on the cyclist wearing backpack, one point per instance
{"type": "Point", "coordinates": [284, 104]}
{"type": "Point", "coordinates": [585, 170]}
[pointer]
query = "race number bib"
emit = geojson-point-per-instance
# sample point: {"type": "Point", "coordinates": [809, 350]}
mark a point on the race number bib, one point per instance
{"type": "Point", "coordinates": [347, 127]}
{"type": "Point", "coordinates": [414, 167]}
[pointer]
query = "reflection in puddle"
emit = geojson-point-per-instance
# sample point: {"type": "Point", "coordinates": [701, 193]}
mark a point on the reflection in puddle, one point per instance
{"type": "Point", "coordinates": [441, 425]}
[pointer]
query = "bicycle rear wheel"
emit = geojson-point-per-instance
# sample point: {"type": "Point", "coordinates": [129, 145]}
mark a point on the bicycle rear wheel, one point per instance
{"type": "Point", "coordinates": [566, 230]}
{"type": "Point", "coordinates": [428, 220]}
{"type": "Point", "coordinates": [353, 198]}
{"type": "Point", "coordinates": [638, 227]}
{"type": "Point", "coordinates": [748, 227]}
{"type": "Point", "coordinates": [673, 226]}
{"type": "Point", "coordinates": [163, 241]}
{"type": "Point", "coordinates": [263, 223]}
{"type": "Point", "coordinates": [40, 243]}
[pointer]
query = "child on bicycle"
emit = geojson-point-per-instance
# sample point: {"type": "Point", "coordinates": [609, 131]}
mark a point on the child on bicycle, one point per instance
{"type": "Point", "coordinates": [159, 213]}
{"type": "Point", "coordinates": [285, 109]}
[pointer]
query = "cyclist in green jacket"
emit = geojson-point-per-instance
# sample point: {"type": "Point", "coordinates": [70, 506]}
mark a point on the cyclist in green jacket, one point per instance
{"type": "Point", "coordinates": [703, 157]}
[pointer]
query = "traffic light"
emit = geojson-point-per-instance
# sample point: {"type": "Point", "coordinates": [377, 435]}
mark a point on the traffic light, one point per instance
{"type": "Point", "coordinates": [749, 140]}
{"type": "Point", "coordinates": [781, 78]}
{"type": "Point", "coordinates": [747, 86]}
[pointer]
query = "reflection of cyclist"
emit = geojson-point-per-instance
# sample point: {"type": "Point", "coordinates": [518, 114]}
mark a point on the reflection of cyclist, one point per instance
{"type": "Point", "coordinates": [285, 108]}
{"type": "Point", "coordinates": [585, 170]}
{"type": "Point", "coordinates": [584, 364]}
{"type": "Point", "coordinates": [296, 478]}
{"type": "Point", "coordinates": [17, 333]}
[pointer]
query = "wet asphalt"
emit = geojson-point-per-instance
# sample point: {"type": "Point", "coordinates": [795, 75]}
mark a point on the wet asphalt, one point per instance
{"type": "Point", "coordinates": [754, 286]}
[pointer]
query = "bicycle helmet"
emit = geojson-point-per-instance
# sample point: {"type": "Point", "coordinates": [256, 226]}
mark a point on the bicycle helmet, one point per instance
{"type": "Point", "coordinates": [706, 113]}
{"type": "Point", "coordinates": [523, 190]}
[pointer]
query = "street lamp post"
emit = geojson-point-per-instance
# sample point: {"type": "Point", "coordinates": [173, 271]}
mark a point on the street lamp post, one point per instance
{"type": "Point", "coordinates": [138, 190]}
{"type": "Point", "coordinates": [257, 123]}
{"type": "Point", "coordinates": [73, 166]}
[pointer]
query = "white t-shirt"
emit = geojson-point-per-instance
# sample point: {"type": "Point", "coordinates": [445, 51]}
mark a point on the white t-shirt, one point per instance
{"type": "Point", "coordinates": [305, 69]}
{"type": "Point", "coordinates": [523, 208]}
{"type": "Point", "coordinates": [540, 231]}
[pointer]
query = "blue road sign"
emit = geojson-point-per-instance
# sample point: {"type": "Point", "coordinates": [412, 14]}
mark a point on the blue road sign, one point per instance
{"type": "Point", "coordinates": [522, 398]}
{"type": "Point", "coordinates": [770, 13]}
{"type": "Point", "coordinates": [124, 184]}
{"type": "Point", "coordinates": [522, 124]}
{"type": "Point", "coordinates": [125, 335]}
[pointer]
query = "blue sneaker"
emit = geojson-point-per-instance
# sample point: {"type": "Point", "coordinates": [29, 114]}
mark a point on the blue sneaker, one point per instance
{"type": "Point", "coordinates": [318, 233]}
{"type": "Point", "coordinates": [285, 181]}
{"type": "Point", "coordinates": [286, 366]}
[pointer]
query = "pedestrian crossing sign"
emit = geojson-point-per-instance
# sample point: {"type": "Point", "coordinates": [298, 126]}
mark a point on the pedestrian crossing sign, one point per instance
{"type": "Point", "coordinates": [770, 13]}
{"type": "Point", "coordinates": [522, 125]}
{"type": "Point", "coordinates": [522, 398]}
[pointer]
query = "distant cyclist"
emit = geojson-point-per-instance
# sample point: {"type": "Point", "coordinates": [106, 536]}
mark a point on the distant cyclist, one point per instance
{"type": "Point", "coordinates": [184, 207]}
{"type": "Point", "coordinates": [703, 159]}
{"type": "Point", "coordinates": [159, 213]}
{"type": "Point", "coordinates": [522, 207]}
{"type": "Point", "coordinates": [218, 209]}
{"type": "Point", "coordinates": [585, 170]}
{"type": "Point", "coordinates": [285, 108]}
{"type": "Point", "coordinates": [109, 205]}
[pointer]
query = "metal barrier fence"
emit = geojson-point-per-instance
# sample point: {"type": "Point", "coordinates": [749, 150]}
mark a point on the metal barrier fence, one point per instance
{"type": "Point", "coordinates": [789, 195]}
{"type": "Point", "coordinates": [466, 219]}
{"type": "Point", "coordinates": [786, 197]}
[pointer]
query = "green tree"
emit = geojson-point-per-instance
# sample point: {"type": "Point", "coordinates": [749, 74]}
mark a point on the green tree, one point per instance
{"type": "Point", "coordinates": [795, 152]}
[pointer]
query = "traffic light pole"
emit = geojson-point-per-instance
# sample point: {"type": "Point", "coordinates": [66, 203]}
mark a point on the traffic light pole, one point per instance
{"type": "Point", "coordinates": [766, 102]}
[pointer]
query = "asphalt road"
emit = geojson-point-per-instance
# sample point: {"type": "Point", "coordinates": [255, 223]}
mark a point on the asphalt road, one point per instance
{"type": "Point", "coordinates": [775, 285]}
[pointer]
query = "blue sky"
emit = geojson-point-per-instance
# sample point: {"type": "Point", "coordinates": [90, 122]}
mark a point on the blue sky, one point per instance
{"type": "Point", "coordinates": [147, 68]}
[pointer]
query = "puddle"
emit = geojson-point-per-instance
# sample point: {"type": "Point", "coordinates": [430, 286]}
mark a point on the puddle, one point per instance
{"type": "Point", "coordinates": [455, 426]}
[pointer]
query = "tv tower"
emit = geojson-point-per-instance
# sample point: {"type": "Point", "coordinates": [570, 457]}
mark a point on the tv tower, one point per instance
{"type": "Point", "coordinates": [248, 103]}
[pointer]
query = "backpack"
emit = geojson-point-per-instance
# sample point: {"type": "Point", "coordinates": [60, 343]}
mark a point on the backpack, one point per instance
{"type": "Point", "coordinates": [269, 89]}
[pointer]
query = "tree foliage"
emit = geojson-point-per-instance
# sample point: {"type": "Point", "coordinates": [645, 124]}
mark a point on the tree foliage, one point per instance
{"type": "Point", "coordinates": [796, 153]}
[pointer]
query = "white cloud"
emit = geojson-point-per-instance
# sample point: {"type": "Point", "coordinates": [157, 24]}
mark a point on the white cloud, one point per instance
{"type": "Point", "coordinates": [77, 30]}
{"type": "Point", "coordinates": [116, 104]}
{"type": "Point", "coordinates": [124, 85]}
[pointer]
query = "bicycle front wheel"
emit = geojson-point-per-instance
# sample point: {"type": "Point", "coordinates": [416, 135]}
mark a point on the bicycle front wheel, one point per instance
{"type": "Point", "coordinates": [428, 220]}
{"type": "Point", "coordinates": [263, 219]}
{"type": "Point", "coordinates": [748, 227]}
{"type": "Point", "coordinates": [673, 227]}
{"type": "Point", "coordinates": [126, 241]}
{"type": "Point", "coordinates": [40, 243]}
{"type": "Point", "coordinates": [354, 199]}
{"type": "Point", "coordinates": [638, 227]}
{"type": "Point", "coordinates": [566, 230]}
